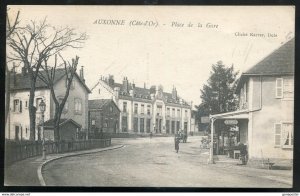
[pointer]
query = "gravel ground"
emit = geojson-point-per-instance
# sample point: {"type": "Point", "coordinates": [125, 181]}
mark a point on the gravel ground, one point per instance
{"type": "Point", "coordinates": [145, 162]}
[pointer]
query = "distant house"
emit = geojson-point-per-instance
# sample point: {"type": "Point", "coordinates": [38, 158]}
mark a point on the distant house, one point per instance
{"type": "Point", "coordinates": [74, 113]}
{"type": "Point", "coordinates": [69, 129]}
{"type": "Point", "coordinates": [266, 106]}
{"type": "Point", "coordinates": [104, 117]}
{"type": "Point", "coordinates": [194, 122]}
{"type": "Point", "coordinates": [145, 110]}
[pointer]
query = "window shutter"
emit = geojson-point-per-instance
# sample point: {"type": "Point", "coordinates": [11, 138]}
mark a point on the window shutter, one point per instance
{"type": "Point", "coordinates": [20, 107]}
{"type": "Point", "coordinates": [279, 87]}
{"type": "Point", "coordinates": [277, 128]}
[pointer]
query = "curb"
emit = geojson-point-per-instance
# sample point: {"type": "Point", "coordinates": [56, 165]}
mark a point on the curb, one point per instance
{"type": "Point", "coordinates": [41, 166]}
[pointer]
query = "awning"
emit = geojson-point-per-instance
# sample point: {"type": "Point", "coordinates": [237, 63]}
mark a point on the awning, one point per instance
{"type": "Point", "coordinates": [240, 114]}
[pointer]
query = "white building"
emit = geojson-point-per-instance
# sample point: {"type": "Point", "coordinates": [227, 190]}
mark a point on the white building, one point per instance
{"type": "Point", "coordinates": [266, 106]}
{"type": "Point", "coordinates": [76, 107]}
{"type": "Point", "coordinates": [145, 110]}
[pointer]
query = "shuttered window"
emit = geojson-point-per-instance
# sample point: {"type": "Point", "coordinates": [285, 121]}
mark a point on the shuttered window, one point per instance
{"type": "Point", "coordinates": [287, 135]}
{"type": "Point", "coordinates": [284, 136]}
{"type": "Point", "coordinates": [277, 129]}
{"type": "Point", "coordinates": [288, 88]}
{"type": "Point", "coordinates": [279, 87]}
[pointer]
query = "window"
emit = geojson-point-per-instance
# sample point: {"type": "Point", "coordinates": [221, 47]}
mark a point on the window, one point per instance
{"type": "Point", "coordinates": [288, 88]}
{"type": "Point", "coordinates": [168, 126]}
{"type": "Point", "coordinates": [135, 125]}
{"type": "Point", "coordinates": [142, 109]}
{"type": "Point", "coordinates": [173, 127]}
{"type": "Point", "coordinates": [284, 135]}
{"type": "Point", "coordinates": [159, 110]}
{"type": "Point", "coordinates": [173, 112]}
{"type": "Point", "coordinates": [72, 85]}
{"type": "Point", "coordinates": [168, 111]}
{"type": "Point", "coordinates": [26, 130]}
{"type": "Point", "coordinates": [66, 106]}
{"type": "Point", "coordinates": [178, 112]}
{"type": "Point", "coordinates": [124, 106]}
{"type": "Point", "coordinates": [93, 122]}
{"type": "Point", "coordinates": [279, 88]}
{"type": "Point", "coordinates": [148, 109]}
{"type": "Point", "coordinates": [17, 105]}
{"type": "Point", "coordinates": [26, 104]}
{"type": "Point", "coordinates": [178, 126]}
{"type": "Point", "coordinates": [148, 125]}
{"type": "Point", "coordinates": [141, 125]}
{"type": "Point", "coordinates": [245, 92]}
{"type": "Point", "coordinates": [78, 106]}
{"type": "Point", "coordinates": [99, 91]}
{"type": "Point", "coordinates": [37, 103]}
{"type": "Point", "coordinates": [186, 113]}
{"type": "Point", "coordinates": [135, 108]}
{"type": "Point", "coordinates": [106, 123]}
{"type": "Point", "coordinates": [124, 123]}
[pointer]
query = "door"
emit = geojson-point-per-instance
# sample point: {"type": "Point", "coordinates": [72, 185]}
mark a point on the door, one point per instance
{"type": "Point", "coordinates": [17, 130]}
{"type": "Point", "coordinates": [160, 121]}
{"type": "Point", "coordinates": [185, 127]}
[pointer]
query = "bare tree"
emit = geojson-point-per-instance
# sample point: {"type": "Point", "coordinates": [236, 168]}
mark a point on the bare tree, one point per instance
{"type": "Point", "coordinates": [48, 77]}
{"type": "Point", "coordinates": [34, 43]}
{"type": "Point", "coordinates": [10, 28]}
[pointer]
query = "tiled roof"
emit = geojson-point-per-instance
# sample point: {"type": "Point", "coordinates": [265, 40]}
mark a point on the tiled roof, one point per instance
{"type": "Point", "coordinates": [280, 61]}
{"type": "Point", "coordinates": [50, 123]}
{"type": "Point", "coordinates": [144, 93]}
{"type": "Point", "coordinates": [98, 103]}
{"type": "Point", "coordinates": [22, 82]}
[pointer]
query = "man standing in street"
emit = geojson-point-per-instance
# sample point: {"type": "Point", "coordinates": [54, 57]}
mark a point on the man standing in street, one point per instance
{"type": "Point", "coordinates": [176, 144]}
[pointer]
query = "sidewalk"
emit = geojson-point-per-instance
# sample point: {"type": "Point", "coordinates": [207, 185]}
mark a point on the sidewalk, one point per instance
{"type": "Point", "coordinates": [28, 172]}
{"type": "Point", "coordinates": [283, 176]}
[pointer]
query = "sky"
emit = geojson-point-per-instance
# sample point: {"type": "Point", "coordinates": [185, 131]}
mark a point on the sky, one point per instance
{"type": "Point", "coordinates": [168, 53]}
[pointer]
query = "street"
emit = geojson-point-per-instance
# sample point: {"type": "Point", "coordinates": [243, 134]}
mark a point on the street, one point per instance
{"type": "Point", "coordinates": [145, 162]}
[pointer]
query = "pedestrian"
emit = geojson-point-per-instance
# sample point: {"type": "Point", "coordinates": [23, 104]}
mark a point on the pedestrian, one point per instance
{"type": "Point", "coordinates": [243, 153]}
{"type": "Point", "coordinates": [176, 145]}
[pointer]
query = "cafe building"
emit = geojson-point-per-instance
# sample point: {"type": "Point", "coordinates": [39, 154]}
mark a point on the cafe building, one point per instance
{"type": "Point", "coordinates": [264, 121]}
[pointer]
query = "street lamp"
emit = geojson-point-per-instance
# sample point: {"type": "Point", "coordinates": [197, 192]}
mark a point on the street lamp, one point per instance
{"type": "Point", "coordinates": [42, 106]}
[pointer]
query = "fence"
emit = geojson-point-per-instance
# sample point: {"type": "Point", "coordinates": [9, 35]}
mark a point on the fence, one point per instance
{"type": "Point", "coordinates": [16, 151]}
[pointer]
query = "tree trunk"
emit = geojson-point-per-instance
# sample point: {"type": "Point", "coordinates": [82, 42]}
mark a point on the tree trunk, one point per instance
{"type": "Point", "coordinates": [7, 94]}
{"type": "Point", "coordinates": [32, 113]}
{"type": "Point", "coordinates": [56, 123]}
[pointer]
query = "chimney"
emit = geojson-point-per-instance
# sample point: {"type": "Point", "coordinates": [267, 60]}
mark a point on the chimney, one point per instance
{"type": "Point", "coordinates": [111, 80]}
{"type": "Point", "coordinates": [14, 74]}
{"type": "Point", "coordinates": [133, 85]}
{"type": "Point", "coordinates": [152, 89]}
{"type": "Point", "coordinates": [174, 93]}
{"type": "Point", "coordinates": [125, 84]}
{"type": "Point", "coordinates": [144, 85]}
{"type": "Point", "coordinates": [81, 74]}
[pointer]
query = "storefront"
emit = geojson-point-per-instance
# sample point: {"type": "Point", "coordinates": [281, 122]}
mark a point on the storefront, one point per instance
{"type": "Point", "coordinates": [227, 131]}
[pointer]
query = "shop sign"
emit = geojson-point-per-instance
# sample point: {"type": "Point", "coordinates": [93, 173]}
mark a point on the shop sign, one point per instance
{"type": "Point", "coordinates": [231, 122]}
{"type": "Point", "coordinates": [204, 119]}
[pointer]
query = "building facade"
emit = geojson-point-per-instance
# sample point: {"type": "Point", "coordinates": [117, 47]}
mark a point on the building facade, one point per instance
{"type": "Point", "coordinates": [145, 110]}
{"type": "Point", "coordinates": [104, 117]}
{"type": "Point", "coordinates": [76, 107]}
{"type": "Point", "coordinates": [266, 106]}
